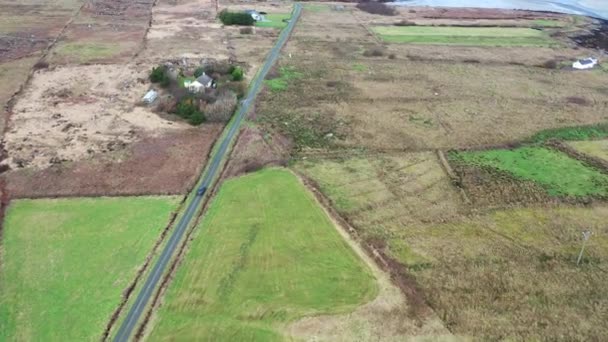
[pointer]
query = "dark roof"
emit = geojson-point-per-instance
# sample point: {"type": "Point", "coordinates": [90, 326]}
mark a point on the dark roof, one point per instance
{"type": "Point", "coordinates": [204, 79]}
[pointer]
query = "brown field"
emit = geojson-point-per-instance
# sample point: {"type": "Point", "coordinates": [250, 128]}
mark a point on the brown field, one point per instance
{"type": "Point", "coordinates": [167, 164]}
{"type": "Point", "coordinates": [90, 114]}
{"type": "Point", "coordinates": [393, 101]}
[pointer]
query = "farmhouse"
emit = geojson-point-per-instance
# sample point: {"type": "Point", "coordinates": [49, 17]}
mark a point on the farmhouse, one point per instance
{"type": "Point", "coordinates": [201, 83]}
{"type": "Point", "coordinates": [587, 63]}
{"type": "Point", "coordinates": [257, 16]}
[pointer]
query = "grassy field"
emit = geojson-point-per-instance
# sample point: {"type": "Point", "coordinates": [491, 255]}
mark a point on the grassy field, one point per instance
{"type": "Point", "coordinates": [264, 255]}
{"type": "Point", "coordinates": [274, 20]}
{"type": "Point", "coordinates": [66, 263]}
{"type": "Point", "coordinates": [484, 36]}
{"type": "Point", "coordinates": [559, 174]}
{"type": "Point", "coordinates": [572, 133]}
{"type": "Point", "coordinates": [495, 276]}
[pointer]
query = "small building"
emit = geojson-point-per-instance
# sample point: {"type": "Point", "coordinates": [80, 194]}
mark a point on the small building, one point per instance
{"type": "Point", "coordinates": [202, 82]}
{"type": "Point", "coordinates": [587, 63]}
{"type": "Point", "coordinates": [150, 96]}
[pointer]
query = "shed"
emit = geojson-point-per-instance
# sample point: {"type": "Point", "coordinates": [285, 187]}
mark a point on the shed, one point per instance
{"type": "Point", "coordinates": [150, 96]}
{"type": "Point", "coordinates": [587, 63]}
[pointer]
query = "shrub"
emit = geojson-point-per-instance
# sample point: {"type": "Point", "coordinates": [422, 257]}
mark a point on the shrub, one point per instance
{"type": "Point", "coordinates": [550, 64]}
{"type": "Point", "coordinates": [188, 110]}
{"type": "Point", "coordinates": [222, 109]}
{"type": "Point", "coordinates": [237, 74]}
{"type": "Point", "coordinates": [221, 68]}
{"type": "Point", "coordinates": [239, 88]}
{"type": "Point", "coordinates": [376, 8]}
{"type": "Point", "coordinates": [405, 23]}
{"type": "Point", "coordinates": [392, 56]}
{"type": "Point", "coordinates": [158, 74]}
{"type": "Point", "coordinates": [246, 30]}
{"type": "Point", "coordinates": [199, 72]}
{"type": "Point", "coordinates": [41, 65]}
{"type": "Point", "coordinates": [374, 52]}
{"type": "Point", "coordinates": [236, 18]}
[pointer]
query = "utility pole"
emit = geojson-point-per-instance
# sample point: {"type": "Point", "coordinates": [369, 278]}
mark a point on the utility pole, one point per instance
{"type": "Point", "coordinates": [586, 236]}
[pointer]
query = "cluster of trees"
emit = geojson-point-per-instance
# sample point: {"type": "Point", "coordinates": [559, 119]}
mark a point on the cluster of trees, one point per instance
{"type": "Point", "coordinates": [159, 75]}
{"type": "Point", "coordinates": [216, 105]}
{"type": "Point", "coordinates": [188, 109]}
{"type": "Point", "coordinates": [236, 18]}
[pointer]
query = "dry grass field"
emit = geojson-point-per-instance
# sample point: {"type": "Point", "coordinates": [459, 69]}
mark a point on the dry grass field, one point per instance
{"type": "Point", "coordinates": [375, 96]}
{"type": "Point", "coordinates": [595, 148]}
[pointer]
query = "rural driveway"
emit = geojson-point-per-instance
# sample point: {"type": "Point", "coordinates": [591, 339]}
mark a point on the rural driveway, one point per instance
{"type": "Point", "coordinates": [207, 181]}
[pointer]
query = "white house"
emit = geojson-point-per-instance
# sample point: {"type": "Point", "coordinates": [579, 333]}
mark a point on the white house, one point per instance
{"type": "Point", "coordinates": [587, 63]}
{"type": "Point", "coordinates": [200, 84]}
{"type": "Point", "coordinates": [257, 16]}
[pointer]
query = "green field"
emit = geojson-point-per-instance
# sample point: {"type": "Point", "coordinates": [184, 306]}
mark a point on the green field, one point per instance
{"type": "Point", "coordinates": [483, 36]}
{"type": "Point", "coordinates": [559, 174]}
{"type": "Point", "coordinates": [66, 263]}
{"type": "Point", "coordinates": [591, 132]}
{"type": "Point", "coordinates": [264, 255]}
{"type": "Point", "coordinates": [274, 20]}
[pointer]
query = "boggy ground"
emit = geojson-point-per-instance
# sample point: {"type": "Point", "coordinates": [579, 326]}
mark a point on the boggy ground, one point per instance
{"type": "Point", "coordinates": [488, 274]}
{"type": "Point", "coordinates": [374, 95]}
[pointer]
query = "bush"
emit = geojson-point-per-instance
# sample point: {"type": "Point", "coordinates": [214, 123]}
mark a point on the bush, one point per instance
{"type": "Point", "coordinates": [239, 88]}
{"type": "Point", "coordinates": [199, 72]}
{"type": "Point", "coordinates": [236, 18]}
{"type": "Point", "coordinates": [188, 110]}
{"type": "Point", "coordinates": [405, 23]}
{"type": "Point", "coordinates": [550, 64]}
{"type": "Point", "coordinates": [158, 74]}
{"type": "Point", "coordinates": [237, 74]}
{"type": "Point", "coordinates": [41, 65]}
{"type": "Point", "coordinates": [246, 30]}
{"type": "Point", "coordinates": [374, 52]}
{"type": "Point", "coordinates": [222, 109]}
{"type": "Point", "coordinates": [376, 8]}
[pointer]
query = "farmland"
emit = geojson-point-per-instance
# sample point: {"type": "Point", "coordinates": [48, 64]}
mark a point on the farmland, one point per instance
{"type": "Point", "coordinates": [558, 173]}
{"type": "Point", "coordinates": [501, 273]}
{"type": "Point", "coordinates": [457, 153]}
{"type": "Point", "coordinates": [265, 255]}
{"type": "Point", "coordinates": [483, 36]}
{"type": "Point", "coordinates": [425, 174]}
{"type": "Point", "coordinates": [79, 253]}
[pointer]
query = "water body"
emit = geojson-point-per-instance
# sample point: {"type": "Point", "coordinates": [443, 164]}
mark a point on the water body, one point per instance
{"type": "Point", "coordinates": [592, 8]}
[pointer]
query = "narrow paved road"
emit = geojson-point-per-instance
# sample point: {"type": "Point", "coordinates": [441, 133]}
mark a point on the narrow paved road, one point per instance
{"type": "Point", "coordinates": [208, 178]}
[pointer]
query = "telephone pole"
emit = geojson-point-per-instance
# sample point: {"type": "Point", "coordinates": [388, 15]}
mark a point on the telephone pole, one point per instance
{"type": "Point", "coordinates": [586, 236]}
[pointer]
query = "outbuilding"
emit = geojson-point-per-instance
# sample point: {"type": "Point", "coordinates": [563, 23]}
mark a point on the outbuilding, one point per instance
{"type": "Point", "coordinates": [587, 63]}
{"type": "Point", "coordinates": [150, 96]}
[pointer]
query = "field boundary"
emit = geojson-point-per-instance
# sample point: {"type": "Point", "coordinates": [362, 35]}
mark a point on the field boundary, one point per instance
{"type": "Point", "coordinates": [126, 294]}
{"type": "Point", "coordinates": [571, 152]}
{"type": "Point", "coordinates": [419, 306]}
